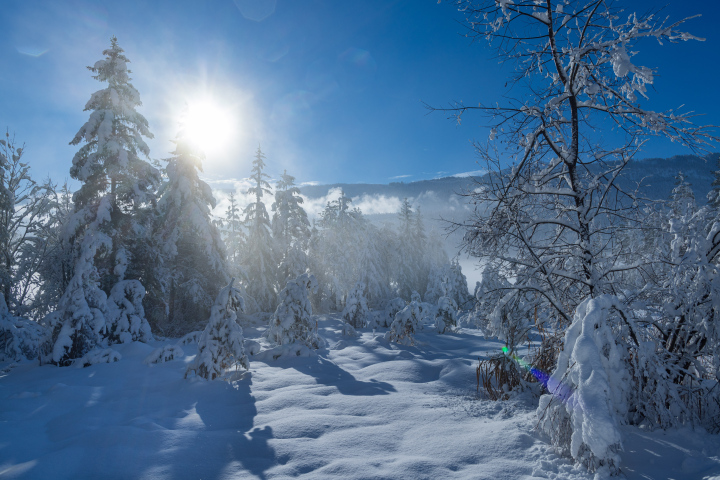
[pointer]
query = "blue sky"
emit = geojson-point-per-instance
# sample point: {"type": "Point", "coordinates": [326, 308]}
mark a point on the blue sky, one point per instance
{"type": "Point", "coordinates": [332, 90]}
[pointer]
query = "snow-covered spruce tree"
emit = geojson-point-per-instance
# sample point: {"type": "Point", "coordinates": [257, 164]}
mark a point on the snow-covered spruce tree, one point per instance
{"type": "Point", "coordinates": [392, 309]}
{"type": "Point", "coordinates": [260, 255]}
{"type": "Point", "coordinates": [291, 323]}
{"type": "Point", "coordinates": [405, 325]}
{"type": "Point", "coordinates": [447, 280]}
{"type": "Point", "coordinates": [551, 220]}
{"type": "Point", "coordinates": [110, 164]}
{"type": "Point", "coordinates": [356, 313]}
{"type": "Point", "coordinates": [291, 229]}
{"type": "Point", "coordinates": [116, 183]}
{"type": "Point", "coordinates": [407, 275]}
{"type": "Point", "coordinates": [192, 249]}
{"type": "Point", "coordinates": [221, 344]}
{"type": "Point", "coordinates": [125, 315]}
{"type": "Point", "coordinates": [446, 311]}
{"type": "Point", "coordinates": [233, 233]}
{"type": "Point", "coordinates": [334, 251]}
{"type": "Point", "coordinates": [80, 324]}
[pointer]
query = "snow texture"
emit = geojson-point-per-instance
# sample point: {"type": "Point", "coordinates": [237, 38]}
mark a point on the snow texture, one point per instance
{"type": "Point", "coordinates": [362, 409]}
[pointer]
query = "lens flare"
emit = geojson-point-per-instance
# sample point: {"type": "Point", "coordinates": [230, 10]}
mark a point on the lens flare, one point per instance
{"type": "Point", "coordinates": [557, 389]}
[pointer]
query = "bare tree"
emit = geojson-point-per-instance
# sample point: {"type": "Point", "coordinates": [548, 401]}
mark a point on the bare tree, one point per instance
{"type": "Point", "coordinates": [551, 213]}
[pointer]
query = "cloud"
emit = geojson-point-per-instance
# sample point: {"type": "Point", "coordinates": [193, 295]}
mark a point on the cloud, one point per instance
{"type": "Point", "coordinates": [400, 176]}
{"type": "Point", "coordinates": [474, 173]}
{"type": "Point", "coordinates": [377, 204]}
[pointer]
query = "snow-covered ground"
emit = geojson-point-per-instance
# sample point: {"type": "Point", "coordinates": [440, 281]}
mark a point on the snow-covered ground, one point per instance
{"type": "Point", "coordinates": [361, 408]}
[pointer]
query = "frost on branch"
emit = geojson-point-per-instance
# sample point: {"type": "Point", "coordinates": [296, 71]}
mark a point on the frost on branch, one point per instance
{"type": "Point", "coordinates": [221, 344]}
{"type": "Point", "coordinates": [19, 337]}
{"type": "Point", "coordinates": [291, 322]}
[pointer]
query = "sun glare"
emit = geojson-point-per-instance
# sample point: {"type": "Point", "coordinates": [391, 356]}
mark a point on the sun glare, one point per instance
{"type": "Point", "coordinates": [209, 126]}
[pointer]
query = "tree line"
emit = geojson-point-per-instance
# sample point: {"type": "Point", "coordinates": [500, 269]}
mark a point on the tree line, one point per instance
{"type": "Point", "coordinates": [135, 251]}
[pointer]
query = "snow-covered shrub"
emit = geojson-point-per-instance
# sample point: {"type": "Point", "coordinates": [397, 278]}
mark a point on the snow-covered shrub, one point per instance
{"type": "Point", "coordinates": [99, 355]}
{"type": "Point", "coordinates": [349, 330]}
{"type": "Point", "coordinates": [405, 326]}
{"type": "Point", "coordinates": [291, 322]}
{"type": "Point", "coordinates": [356, 312]}
{"type": "Point", "coordinates": [221, 344]}
{"type": "Point", "coordinates": [446, 315]}
{"type": "Point", "coordinates": [126, 317]}
{"type": "Point", "coordinates": [388, 315]}
{"type": "Point", "coordinates": [190, 338]}
{"type": "Point", "coordinates": [447, 281]}
{"type": "Point", "coordinates": [19, 337]}
{"type": "Point", "coordinates": [488, 293]}
{"type": "Point", "coordinates": [164, 354]}
{"type": "Point", "coordinates": [588, 390]}
{"type": "Point", "coordinates": [252, 347]}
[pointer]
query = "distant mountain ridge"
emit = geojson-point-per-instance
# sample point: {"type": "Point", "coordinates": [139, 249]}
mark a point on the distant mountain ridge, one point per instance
{"type": "Point", "coordinates": [439, 200]}
{"type": "Point", "coordinates": [656, 176]}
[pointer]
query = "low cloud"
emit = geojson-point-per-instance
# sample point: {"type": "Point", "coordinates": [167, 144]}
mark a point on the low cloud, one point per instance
{"type": "Point", "coordinates": [474, 173]}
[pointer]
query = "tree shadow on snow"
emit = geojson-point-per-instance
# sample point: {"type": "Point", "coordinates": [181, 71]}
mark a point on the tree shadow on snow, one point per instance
{"type": "Point", "coordinates": [328, 373]}
{"type": "Point", "coordinates": [226, 444]}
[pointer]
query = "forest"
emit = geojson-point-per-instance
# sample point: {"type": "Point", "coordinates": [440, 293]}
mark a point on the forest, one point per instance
{"type": "Point", "coordinates": [598, 306]}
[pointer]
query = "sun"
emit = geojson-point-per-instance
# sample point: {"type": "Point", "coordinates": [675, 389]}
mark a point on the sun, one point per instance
{"type": "Point", "coordinates": [208, 125]}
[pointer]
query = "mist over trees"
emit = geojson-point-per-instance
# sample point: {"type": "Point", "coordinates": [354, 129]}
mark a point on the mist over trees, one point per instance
{"type": "Point", "coordinates": [136, 250]}
{"type": "Point", "coordinates": [622, 291]}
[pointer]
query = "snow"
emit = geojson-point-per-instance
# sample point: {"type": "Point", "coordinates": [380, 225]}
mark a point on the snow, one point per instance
{"type": "Point", "coordinates": [362, 408]}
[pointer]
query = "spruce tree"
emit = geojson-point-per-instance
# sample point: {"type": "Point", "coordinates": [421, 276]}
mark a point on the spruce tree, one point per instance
{"type": "Point", "coordinates": [192, 248]}
{"type": "Point", "coordinates": [291, 229]}
{"type": "Point", "coordinates": [116, 184]}
{"type": "Point", "coordinates": [260, 253]}
{"type": "Point", "coordinates": [234, 235]}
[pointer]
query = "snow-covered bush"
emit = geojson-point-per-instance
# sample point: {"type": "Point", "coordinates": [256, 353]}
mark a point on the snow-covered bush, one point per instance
{"type": "Point", "coordinates": [349, 330]}
{"type": "Point", "coordinates": [19, 337]}
{"type": "Point", "coordinates": [488, 293]}
{"type": "Point", "coordinates": [405, 325]}
{"type": "Point", "coordinates": [446, 315]}
{"type": "Point", "coordinates": [356, 312]}
{"type": "Point", "coordinates": [291, 322]}
{"type": "Point", "coordinates": [126, 317]}
{"type": "Point", "coordinates": [221, 344]}
{"type": "Point", "coordinates": [164, 354]}
{"type": "Point", "coordinates": [96, 356]}
{"type": "Point", "coordinates": [190, 338]}
{"type": "Point", "coordinates": [588, 389]}
{"type": "Point", "coordinates": [388, 315]}
{"type": "Point", "coordinates": [447, 281]}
